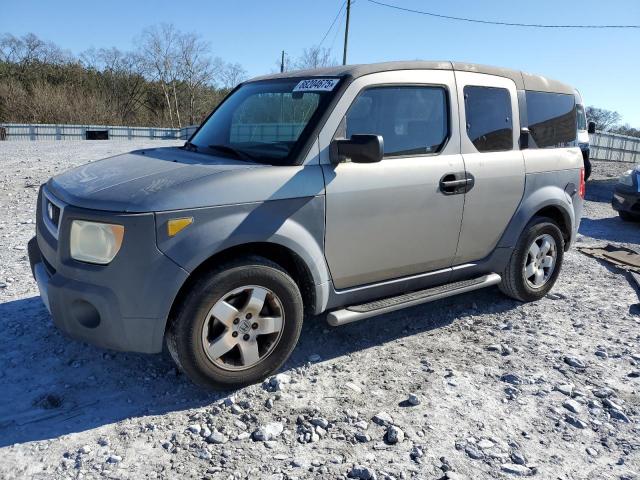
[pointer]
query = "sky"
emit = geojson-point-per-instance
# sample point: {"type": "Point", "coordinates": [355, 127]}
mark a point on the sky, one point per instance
{"type": "Point", "coordinates": [603, 64]}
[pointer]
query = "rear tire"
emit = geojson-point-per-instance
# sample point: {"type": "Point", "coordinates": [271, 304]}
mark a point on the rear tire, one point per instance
{"type": "Point", "coordinates": [587, 169]}
{"type": "Point", "coordinates": [221, 313]}
{"type": "Point", "coordinates": [528, 276]}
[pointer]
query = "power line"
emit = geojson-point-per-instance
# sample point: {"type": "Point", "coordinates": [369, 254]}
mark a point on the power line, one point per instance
{"type": "Point", "coordinates": [490, 22]}
{"type": "Point", "coordinates": [332, 23]}
{"type": "Point", "coordinates": [335, 35]}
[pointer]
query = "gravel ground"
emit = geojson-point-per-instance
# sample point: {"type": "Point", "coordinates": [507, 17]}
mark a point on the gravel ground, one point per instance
{"type": "Point", "coordinates": [476, 386]}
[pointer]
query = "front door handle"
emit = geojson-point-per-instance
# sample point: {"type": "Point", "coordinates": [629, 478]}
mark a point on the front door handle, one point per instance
{"type": "Point", "coordinates": [456, 183]}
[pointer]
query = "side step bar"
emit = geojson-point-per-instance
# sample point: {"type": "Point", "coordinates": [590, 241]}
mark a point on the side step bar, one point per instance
{"type": "Point", "coordinates": [391, 304]}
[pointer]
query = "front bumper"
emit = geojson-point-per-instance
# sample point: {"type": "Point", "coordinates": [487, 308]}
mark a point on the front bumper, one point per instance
{"type": "Point", "coordinates": [625, 199]}
{"type": "Point", "coordinates": [121, 306]}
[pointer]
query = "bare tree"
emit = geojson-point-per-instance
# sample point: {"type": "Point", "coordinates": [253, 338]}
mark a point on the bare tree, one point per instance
{"type": "Point", "coordinates": [122, 79]}
{"type": "Point", "coordinates": [627, 129]}
{"type": "Point", "coordinates": [315, 57]}
{"type": "Point", "coordinates": [604, 119]}
{"type": "Point", "coordinates": [158, 48]}
{"type": "Point", "coordinates": [196, 68]}
{"type": "Point", "coordinates": [232, 74]}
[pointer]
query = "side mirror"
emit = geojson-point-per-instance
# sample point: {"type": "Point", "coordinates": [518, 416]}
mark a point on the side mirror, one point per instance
{"type": "Point", "coordinates": [524, 138]}
{"type": "Point", "coordinates": [360, 148]}
{"type": "Point", "coordinates": [591, 127]}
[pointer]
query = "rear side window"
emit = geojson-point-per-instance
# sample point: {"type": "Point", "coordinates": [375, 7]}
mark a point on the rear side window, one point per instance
{"type": "Point", "coordinates": [552, 119]}
{"type": "Point", "coordinates": [411, 120]}
{"type": "Point", "coordinates": [488, 114]}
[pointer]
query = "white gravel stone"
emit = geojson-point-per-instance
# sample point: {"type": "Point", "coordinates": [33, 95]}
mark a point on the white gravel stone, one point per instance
{"type": "Point", "coordinates": [572, 406]}
{"type": "Point", "coordinates": [574, 362]}
{"type": "Point", "coordinates": [268, 432]}
{"type": "Point", "coordinates": [515, 469]}
{"type": "Point", "coordinates": [394, 435]}
{"type": "Point", "coordinates": [382, 418]}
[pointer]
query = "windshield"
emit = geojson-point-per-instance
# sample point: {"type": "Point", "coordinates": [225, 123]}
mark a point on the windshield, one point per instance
{"type": "Point", "coordinates": [266, 121]}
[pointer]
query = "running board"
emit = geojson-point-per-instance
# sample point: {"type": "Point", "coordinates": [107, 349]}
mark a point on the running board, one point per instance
{"type": "Point", "coordinates": [391, 304]}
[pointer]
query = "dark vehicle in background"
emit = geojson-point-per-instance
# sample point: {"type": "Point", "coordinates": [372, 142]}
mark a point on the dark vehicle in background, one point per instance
{"type": "Point", "coordinates": [626, 195]}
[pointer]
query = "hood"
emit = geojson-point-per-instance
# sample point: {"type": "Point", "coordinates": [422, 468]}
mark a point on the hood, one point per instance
{"type": "Point", "coordinates": [170, 178]}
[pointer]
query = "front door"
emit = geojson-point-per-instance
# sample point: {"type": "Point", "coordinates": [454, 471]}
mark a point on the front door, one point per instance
{"type": "Point", "coordinates": [395, 218]}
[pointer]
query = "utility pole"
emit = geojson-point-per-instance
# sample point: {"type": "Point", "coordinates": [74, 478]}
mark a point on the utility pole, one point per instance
{"type": "Point", "coordinates": [346, 33]}
{"type": "Point", "coordinates": [282, 62]}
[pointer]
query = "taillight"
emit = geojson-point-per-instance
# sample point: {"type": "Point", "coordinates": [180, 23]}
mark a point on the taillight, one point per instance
{"type": "Point", "coordinates": [582, 189]}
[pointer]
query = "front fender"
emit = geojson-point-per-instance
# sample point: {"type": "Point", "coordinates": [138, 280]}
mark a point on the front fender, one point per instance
{"type": "Point", "coordinates": [297, 224]}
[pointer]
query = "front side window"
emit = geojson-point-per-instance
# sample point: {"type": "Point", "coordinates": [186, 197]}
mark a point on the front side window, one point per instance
{"type": "Point", "coordinates": [552, 119]}
{"type": "Point", "coordinates": [488, 114]}
{"type": "Point", "coordinates": [412, 120]}
{"type": "Point", "coordinates": [267, 121]}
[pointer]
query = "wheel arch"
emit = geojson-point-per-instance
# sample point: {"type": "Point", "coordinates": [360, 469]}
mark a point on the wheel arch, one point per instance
{"type": "Point", "coordinates": [560, 216]}
{"type": "Point", "coordinates": [282, 255]}
{"type": "Point", "coordinates": [549, 201]}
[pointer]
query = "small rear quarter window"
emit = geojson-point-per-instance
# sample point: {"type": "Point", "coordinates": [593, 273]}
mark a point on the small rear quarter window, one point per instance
{"type": "Point", "coordinates": [552, 119]}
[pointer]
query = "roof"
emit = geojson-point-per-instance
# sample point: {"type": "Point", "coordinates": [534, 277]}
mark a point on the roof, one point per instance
{"type": "Point", "coordinates": [523, 80]}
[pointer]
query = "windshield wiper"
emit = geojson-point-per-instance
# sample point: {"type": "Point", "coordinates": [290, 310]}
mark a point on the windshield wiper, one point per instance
{"type": "Point", "coordinates": [192, 147]}
{"type": "Point", "coordinates": [239, 154]}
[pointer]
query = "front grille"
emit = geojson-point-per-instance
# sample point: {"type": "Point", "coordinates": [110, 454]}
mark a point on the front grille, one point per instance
{"type": "Point", "coordinates": [51, 212]}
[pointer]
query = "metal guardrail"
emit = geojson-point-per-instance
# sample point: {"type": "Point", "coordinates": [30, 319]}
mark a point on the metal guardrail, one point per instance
{"type": "Point", "coordinates": [15, 131]}
{"type": "Point", "coordinates": [614, 147]}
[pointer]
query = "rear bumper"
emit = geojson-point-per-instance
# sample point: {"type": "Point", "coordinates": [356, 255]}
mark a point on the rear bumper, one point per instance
{"type": "Point", "coordinates": [626, 201]}
{"type": "Point", "coordinates": [121, 306]}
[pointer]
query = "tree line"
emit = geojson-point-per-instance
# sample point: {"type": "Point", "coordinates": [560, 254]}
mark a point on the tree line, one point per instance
{"type": "Point", "coordinates": [610, 121]}
{"type": "Point", "coordinates": [171, 79]}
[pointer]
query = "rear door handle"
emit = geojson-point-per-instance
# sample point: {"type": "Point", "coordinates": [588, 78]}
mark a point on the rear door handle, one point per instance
{"type": "Point", "coordinates": [456, 183]}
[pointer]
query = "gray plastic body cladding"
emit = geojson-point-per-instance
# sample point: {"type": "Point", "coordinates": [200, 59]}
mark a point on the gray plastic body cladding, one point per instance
{"type": "Point", "coordinates": [133, 294]}
{"type": "Point", "coordinates": [171, 179]}
{"type": "Point", "coordinates": [546, 189]}
{"type": "Point", "coordinates": [295, 223]}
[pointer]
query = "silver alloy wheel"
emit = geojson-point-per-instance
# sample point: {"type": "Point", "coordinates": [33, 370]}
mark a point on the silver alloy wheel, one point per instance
{"type": "Point", "coordinates": [541, 261]}
{"type": "Point", "coordinates": [243, 327]}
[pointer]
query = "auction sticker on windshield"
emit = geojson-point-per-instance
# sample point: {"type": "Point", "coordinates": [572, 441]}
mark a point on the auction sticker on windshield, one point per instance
{"type": "Point", "coordinates": [316, 85]}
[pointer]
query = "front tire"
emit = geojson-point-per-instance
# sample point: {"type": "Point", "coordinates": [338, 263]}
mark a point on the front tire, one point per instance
{"type": "Point", "coordinates": [628, 217]}
{"type": "Point", "coordinates": [238, 324]}
{"type": "Point", "coordinates": [535, 262]}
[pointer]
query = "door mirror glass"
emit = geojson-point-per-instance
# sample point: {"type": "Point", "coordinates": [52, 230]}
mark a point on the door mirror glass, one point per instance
{"type": "Point", "coordinates": [591, 127]}
{"type": "Point", "coordinates": [364, 148]}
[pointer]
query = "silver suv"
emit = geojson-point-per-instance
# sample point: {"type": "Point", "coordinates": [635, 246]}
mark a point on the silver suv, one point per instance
{"type": "Point", "coordinates": [351, 191]}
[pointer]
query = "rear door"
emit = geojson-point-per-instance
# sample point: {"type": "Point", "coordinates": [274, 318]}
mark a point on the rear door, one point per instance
{"type": "Point", "coordinates": [391, 219]}
{"type": "Point", "coordinates": [489, 131]}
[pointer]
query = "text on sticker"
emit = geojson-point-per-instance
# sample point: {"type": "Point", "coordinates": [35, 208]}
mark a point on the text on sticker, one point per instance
{"type": "Point", "coordinates": [316, 84]}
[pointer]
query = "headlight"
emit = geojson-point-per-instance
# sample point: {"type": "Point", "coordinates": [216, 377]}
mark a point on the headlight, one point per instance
{"type": "Point", "coordinates": [626, 178]}
{"type": "Point", "coordinates": [94, 242]}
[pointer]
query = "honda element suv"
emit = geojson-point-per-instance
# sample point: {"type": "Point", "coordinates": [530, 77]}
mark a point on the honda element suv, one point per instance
{"type": "Point", "coordinates": [351, 191]}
